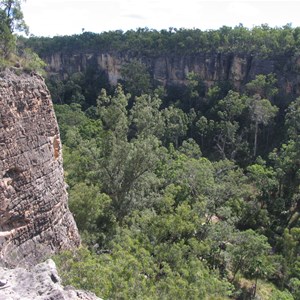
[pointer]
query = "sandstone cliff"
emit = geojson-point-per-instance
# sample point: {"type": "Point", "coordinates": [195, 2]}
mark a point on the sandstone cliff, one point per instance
{"type": "Point", "coordinates": [172, 69]}
{"type": "Point", "coordinates": [34, 217]}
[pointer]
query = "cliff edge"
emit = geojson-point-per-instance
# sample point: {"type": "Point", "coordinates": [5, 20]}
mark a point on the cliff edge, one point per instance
{"type": "Point", "coordinates": [35, 221]}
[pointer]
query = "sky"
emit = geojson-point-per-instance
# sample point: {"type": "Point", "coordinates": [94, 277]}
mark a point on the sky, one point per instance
{"type": "Point", "coordinates": [67, 17]}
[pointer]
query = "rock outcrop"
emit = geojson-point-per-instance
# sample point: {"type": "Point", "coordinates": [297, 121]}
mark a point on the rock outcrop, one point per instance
{"type": "Point", "coordinates": [35, 221]}
{"type": "Point", "coordinates": [40, 283]}
{"type": "Point", "coordinates": [171, 69]}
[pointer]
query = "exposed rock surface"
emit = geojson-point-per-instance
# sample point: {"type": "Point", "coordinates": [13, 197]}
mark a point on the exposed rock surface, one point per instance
{"type": "Point", "coordinates": [40, 283]}
{"type": "Point", "coordinates": [35, 221]}
{"type": "Point", "coordinates": [171, 69]}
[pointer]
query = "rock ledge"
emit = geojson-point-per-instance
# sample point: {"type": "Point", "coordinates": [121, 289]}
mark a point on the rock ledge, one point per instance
{"type": "Point", "coordinates": [40, 283]}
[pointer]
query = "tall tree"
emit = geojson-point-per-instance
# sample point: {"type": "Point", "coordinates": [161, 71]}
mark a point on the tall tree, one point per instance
{"type": "Point", "coordinates": [11, 20]}
{"type": "Point", "coordinates": [126, 166]}
{"type": "Point", "coordinates": [228, 109]}
{"type": "Point", "coordinates": [261, 112]}
{"type": "Point", "coordinates": [292, 120]}
{"type": "Point", "coordinates": [145, 116]}
{"type": "Point", "coordinates": [176, 125]}
{"type": "Point", "coordinates": [248, 253]}
{"type": "Point", "coordinates": [13, 15]}
{"type": "Point", "coordinates": [261, 90]}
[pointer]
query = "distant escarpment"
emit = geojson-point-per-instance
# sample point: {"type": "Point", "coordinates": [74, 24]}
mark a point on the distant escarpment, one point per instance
{"type": "Point", "coordinates": [35, 221]}
{"type": "Point", "coordinates": [230, 56]}
{"type": "Point", "coordinates": [172, 69]}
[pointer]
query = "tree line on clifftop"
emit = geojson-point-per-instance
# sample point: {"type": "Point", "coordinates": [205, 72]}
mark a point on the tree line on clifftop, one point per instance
{"type": "Point", "coordinates": [263, 40]}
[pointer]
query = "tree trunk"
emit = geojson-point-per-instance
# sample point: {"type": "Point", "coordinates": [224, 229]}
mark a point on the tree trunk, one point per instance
{"type": "Point", "coordinates": [255, 139]}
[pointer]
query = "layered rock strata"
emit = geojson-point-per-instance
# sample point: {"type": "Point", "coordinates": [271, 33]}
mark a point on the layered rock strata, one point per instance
{"type": "Point", "coordinates": [35, 221]}
{"type": "Point", "coordinates": [172, 69]}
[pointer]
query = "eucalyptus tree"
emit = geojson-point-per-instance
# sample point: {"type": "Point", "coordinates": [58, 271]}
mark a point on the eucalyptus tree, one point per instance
{"type": "Point", "coordinates": [292, 119]}
{"type": "Point", "coordinates": [176, 125]}
{"type": "Point", "coordinates": [11, 21]}
{"type": "Point", "coordinates": [228, 110]}
{"type": "Point", "coordinates": [261, 90]}
{"type": "Point", "coordinates": [249, 253]}
{"type": "Point", "coordinates": [126, 165]}
{"type": "Point", "coordinates": [145, 116]}
{"type": "Point", "coordinates": [261, 113]}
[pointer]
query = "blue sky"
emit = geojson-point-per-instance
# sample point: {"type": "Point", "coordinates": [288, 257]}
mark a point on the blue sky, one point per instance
{"type": "Point", "coordinates": [60, 17]}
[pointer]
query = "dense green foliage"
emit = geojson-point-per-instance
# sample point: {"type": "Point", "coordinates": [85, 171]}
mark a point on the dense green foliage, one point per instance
{"type": "Point", "coordinates": [12, 21]}
{"type": "Point", "coordinates": [260, 39]}
{"type": "Point", "coordinates": [176, 204]}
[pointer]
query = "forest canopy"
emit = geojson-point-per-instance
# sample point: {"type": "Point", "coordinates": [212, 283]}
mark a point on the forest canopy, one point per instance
{"type": "Point", "coordinates": [144, 41]}
{"type": "Point", "coordinates": [174, 204]}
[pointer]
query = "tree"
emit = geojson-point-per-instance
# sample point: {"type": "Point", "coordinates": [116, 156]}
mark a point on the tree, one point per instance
{"type": "Point", "coordinates": [13, 14]}
{"type": "Point", "coordinates": [135, 78]}
{"type": "Point", "coordinates": [292, 119]}
{"type": "Point", "coordinates": [145, 116]}
{"type": "Point", "coordinates": [261, 112]}
{"type": "Point", "coordinates": [248, 253]}
{"type": "Point", "coordinates": [260, 91]}
{"type": "Point", "coordinates": [7, 41]}
{"type": "Point", "coordinates": [190, 148]}
{"type": "Point", "coordinates": [202, 127]}
{"type": "Point", "coordinates": [92, 213]}
{"type": "Point", "coordinates": [291, 244]}
{"type": "Point", "coordinates": [176, 125]}
{"type": "Point", "coordinates": [195, 90]}
{"type": "Point", "coordinates": [228, 109]}
{"type": "Point", "coordinates": [126, 172]}
{"type": "Point", "coordinates": [263, 85]}
{"type": "Point", "coordinates": [73, 92]}
{"type": "Point", "coordinates": [126, 165]}
{"type": "Point", "coordinates": [113, 113]}
{"type": "Point", "coordinates": [11, 20]}
{"type": "Point", "coordinates": [286, 164]}
{"type": "Point", "coordinates": [260, 210]}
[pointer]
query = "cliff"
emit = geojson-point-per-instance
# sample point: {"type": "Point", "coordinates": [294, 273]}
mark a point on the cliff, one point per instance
{"type": "Point", "coordinates": [35, 221]}
{"type": "Point", "coordinates": [172, 69]}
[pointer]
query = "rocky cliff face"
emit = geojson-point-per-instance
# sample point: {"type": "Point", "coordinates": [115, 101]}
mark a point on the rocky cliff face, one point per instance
{"type": "Point", "coordinates": [34, 217]}
{"type": "Point", "coordinates": [172, 69]}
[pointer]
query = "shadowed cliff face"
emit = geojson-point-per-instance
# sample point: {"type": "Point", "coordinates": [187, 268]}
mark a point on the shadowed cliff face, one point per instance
{"type": "Point", "coordinates": [172, 69]}
{"type": "Point", "coordinates": [34, 217]}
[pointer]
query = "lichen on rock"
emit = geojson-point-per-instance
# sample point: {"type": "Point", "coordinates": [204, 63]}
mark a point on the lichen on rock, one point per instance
{"type": "Point", "coordinates": [41, 282]}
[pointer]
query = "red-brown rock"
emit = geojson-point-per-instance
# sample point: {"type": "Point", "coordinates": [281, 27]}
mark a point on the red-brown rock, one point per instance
{"type": "Point", "coordinates": [34, 217]}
